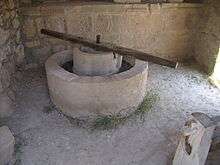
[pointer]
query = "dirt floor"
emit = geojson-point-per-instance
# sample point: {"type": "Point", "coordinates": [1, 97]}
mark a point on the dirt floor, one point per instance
{"type": "Point", "coordinates": [44, 136]}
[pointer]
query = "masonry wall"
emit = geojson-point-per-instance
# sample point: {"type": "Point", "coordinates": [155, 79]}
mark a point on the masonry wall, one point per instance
{"type": "Point", "coordinates": [208, 37]}
{"type": "Point", "coordinates": [164, 30]}
{"type": "Point", "coordinates": [11, 53]}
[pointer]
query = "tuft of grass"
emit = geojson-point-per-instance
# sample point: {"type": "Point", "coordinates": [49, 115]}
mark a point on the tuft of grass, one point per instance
{"type": "Point", "coordinates": [114, 120]}
{"type": "Point", "coordinates": [109, 121]}
{"type": "Point", "coordinates": [148, 102]}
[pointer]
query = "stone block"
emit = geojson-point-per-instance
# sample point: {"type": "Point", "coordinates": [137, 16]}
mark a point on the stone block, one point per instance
{"type": "Point", "coordinates": [5, 76]}
{"type": "Point", "coordinates": [4, 36]}
{"type": "Point", "coordinates": [176, 20]}
{"type": "Point", "coordinates": [29, 28]}
{"type": "Point", "coordinates": [9, 39]}
{"type": "Point", "coordinates": [40, 25]}
{"type": "Point", "coordinates": [3, 55]}
{"type": "Point", "coordinates": [25, 1]}
{"type": "Point", "coordinates": [175, 1]}
{"type": "Point", "coordinates": [55, 23]}
{"type": "Point", "coordinates": [10, 4]}
{"type": "Point", "coordinates": [42, 53]}
{"type": "Point", "coordinates": [127, 1]}
{"type": "Point", "coordinates": [7, 143]}
{"type": "Point", "coordinates": [137, 23]}
{"type": "Point", "coordinates": [103, 24]}
{"type": "Point", "coordinates": [195, 141]}
{"type": "Point", "coordinates": [80, 24]}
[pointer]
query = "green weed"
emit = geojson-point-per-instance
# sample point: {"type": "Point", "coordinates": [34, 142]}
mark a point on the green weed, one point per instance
{"type": "Point", "coordinates": [114, 120]}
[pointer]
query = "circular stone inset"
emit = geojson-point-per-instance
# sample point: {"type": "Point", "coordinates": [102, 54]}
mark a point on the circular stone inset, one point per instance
{"type": "Point", "coordinates": [88, 62]}
{"type": "Point", "coordinates": [86, 96]}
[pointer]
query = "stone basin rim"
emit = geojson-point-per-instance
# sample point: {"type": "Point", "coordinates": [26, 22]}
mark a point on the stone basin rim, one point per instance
{"type": "Point", "coordinates": [53, 66]}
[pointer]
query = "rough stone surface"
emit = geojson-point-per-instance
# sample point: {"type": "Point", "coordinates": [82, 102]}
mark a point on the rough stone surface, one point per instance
{"type": "Point", "coordinates": [195, 141]}
{"type": "Point", "coordinates": [208, 36]}
{"type": "Point", "coordinates": [175, 1]}
{"type": "Point", "coordinates": [214, 151]}
{"type": "Point", "coordinates": [98, 95]}
{"type": "Point", "coordinates": [165, 30]}
{"type": "Point", "coordinates": [89, 62]}
{"type": "Point", "coordinates": [127, 1]}
{"type": "Point", "coordinates": [33, 2]}
{"type": "Point", "coordinates": [7, 143]}
{"type": "Point", "coordinates": [11, 53]}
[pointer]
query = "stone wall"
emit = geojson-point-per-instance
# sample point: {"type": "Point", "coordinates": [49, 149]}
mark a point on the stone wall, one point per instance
{"type": "Point", "coordinates": [28, 2]}
{"type": "Point", "coordinates": [120, 1]}
{"type": "Point", "coordinates": [165, 30]}
{"type": "Point", "coordinates": [208, 37]}
{"type": "Point", "coordinates": [11, 53]}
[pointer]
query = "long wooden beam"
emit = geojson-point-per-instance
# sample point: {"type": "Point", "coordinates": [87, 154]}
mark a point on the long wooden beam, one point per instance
{"type": "Point", "coordinates": [105, 46]}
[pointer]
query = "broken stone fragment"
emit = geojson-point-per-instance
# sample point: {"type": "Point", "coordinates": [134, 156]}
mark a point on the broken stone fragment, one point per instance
{"type": "Point", "coordinates": [7, 143]}
{"type": "Point", "coordinates": [195, 141]}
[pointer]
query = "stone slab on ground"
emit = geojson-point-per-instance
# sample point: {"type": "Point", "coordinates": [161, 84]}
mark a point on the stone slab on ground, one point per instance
{"type": "Point", "coordinates": [195, 141]}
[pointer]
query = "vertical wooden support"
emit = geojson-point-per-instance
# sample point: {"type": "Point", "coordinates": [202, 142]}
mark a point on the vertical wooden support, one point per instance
{"type": "Point", "coordinates": [195, 142]}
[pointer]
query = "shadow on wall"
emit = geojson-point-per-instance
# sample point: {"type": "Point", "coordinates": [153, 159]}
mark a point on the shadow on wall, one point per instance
{"type": "Point", "coordinates": [215, 77]}
{"type": "Point", "coordinates": [208, 38]}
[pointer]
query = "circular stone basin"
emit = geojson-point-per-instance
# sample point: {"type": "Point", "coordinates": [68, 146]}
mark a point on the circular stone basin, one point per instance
{"type": "Point", "coordinates": [87, 96]}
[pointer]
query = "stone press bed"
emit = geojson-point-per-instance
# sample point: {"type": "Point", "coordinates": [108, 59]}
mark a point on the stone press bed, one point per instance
{"type": "Point", "coordinates": [45, 136]}
{"type": "Point", "coordinates": [98, 92]}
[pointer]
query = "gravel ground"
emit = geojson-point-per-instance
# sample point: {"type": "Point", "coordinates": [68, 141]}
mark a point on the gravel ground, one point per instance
{"type": "Point", "coordinates": [46, 137]}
